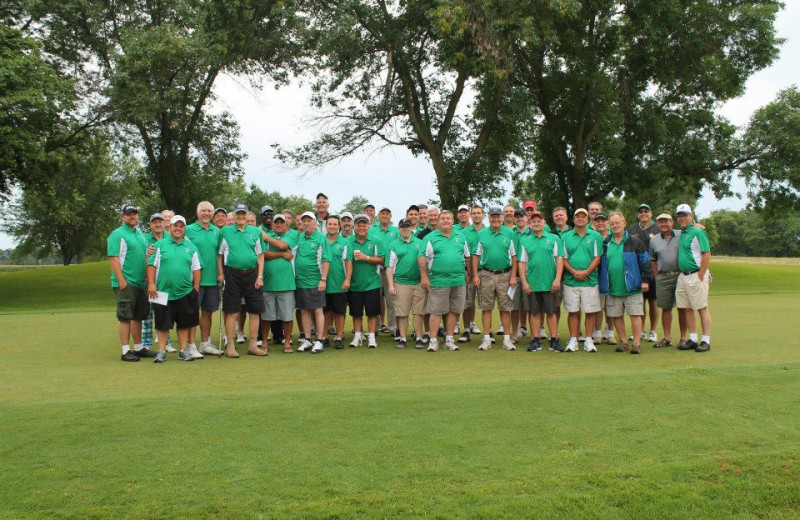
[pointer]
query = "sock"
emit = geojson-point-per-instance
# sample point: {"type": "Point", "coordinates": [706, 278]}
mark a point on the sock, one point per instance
{"type": "Point", "coordinates": [573, 337]}
{"type": "Point", "coordinates": [125, 349]}
{"type": "Point", "coordinates": [402, 338]}
{"type": "Point", "coordinates": [371, 336]}
{"type": "Point", "coordinates": [707, 339]}
{"type": "Point", "coordinates": [137, 347]}
{"type": "Point", "coordinates": [448, 338]}
{"type": "Point", "coordinates": [596, 332]}
{"type": "Point", "coordinates": [506, 337]}
{"type": "Point", "coordinates": [192, 345]}
{"type": "Point", "coordinates": [693, 336]}
{"type": "Point", "coordinates": [487, 337]}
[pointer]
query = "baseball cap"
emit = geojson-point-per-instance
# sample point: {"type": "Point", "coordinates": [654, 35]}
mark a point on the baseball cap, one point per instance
{"type": "Point", "coordinates": [279, 216]}
{"type": "Point", "coordinates": [495, 210]}
{"type": "Point", "coordinates": [346, 214]}
{"type": "Point", "coordinates": [529, 204]}
{"type": "Point", "coordinates": [308, 214]}
{"type": "Point", "coordinates": [156, 216]}
{"type": "Point", "coordinates": [404, 222]}
{"type": "Point", "coordinates": [463, 207]}
{"type": "Point", "coordinates": [266, 209]}
{"type": "Point", "coordinates": [240, 208]}
{"type": "Point", "coordinates": [536, 213]}
{"type": "Point", "coordinates": [385, 208]}
{"type": "Point", "coordinates": [414, 207]}
{"type": "Point", "coordinates": [664, 215]}
{"type": "Point", "coordinates": [580, 210]}
{"type": "Point", "coordinates": [600, 216]}
{"type": "Point", "coordinates": [220, 209]}
{"type": "Point", "coordinates": [129, 208]}
{"type": "Point", "coordinates": [519, 213]}
{"type": "Point", "coordinates": [369, 206]}
{"type": "Point", "coordinates": [643, 206]}
{"type": "Point", "coordinates": [683, 208]}
{"type": "Point", "coordinates": [177, 218]}
{"type": "Point", "coordinates": [361, 218]}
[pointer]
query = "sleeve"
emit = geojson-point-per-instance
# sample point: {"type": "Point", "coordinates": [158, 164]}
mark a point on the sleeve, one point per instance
{"type": "Point", "coordinates": [523, 255]}
{"type": "Point", "coordinates": [113, 244]}
{"type": "Point", "coordinates": [466, 249]}
{"type": "Point", "coordinates": [702, 240]}
{"type": "Point", "coordinates": [652, 252]}
{"type": "Point", "coordinates": [391, 259]}
{"type": "Point", "coordinates": [478, 249]}
{"type": "Point", "coordinates": [155, 258]}
{"type": "Point", "coordinates": [512, 251]}
{"type": "Point", "coordinates": [380, 249]}
{"type": "Point", "coordinates": [326, 250]}
{"type": "Point", "coordinates": [196, 264]}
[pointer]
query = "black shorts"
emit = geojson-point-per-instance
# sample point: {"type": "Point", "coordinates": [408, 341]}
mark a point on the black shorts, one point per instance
{"type": "Point", "coordinates": [360, 301]}
{"type": "Point", "coordinates": [132, 303]}
{"type": "Point", "coordinates": [309, 299]}
{"type": "Point", "coordinates": [208, 296]}
{"type": "Point", "coordinates": [539, 302]}
{"type": "Point", "coordinates": [182, 313]}
{"type": "Point", "coordinates": [336, 303]}
{"type": "Point", "coordinates": [238, 285]}
{"type": "Point", "coordinates": [651, 294]}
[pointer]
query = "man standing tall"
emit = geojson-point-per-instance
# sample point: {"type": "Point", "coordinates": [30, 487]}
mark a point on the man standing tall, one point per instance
{"type": "Point", "coordinates": [279, 283]}
{"type": "Point", "coordinates": [311, 263]}
{"type": "Point", "coordinates": [386, 233]}
{"type": "Point", "coordinates": [365, 289]}
{"type": "Point", "coordinates": [691, 293]}
{"type": "Point", "coordinates": [156, 234]}
{"type": "Point", "coordinates": [664, 257]}
{"type": "Point", "coordinates": [126, 247]}
{"type": "Point", "coordinates": [402, 271]}
{"type": "Point", "coordinates": [644, 229]}
{"type": "Point", "coordinates": [339, 277]}
{"type": "Point", "coordinates": [205, 236]}
{"type": "Point", "coordinates": [471, 234]}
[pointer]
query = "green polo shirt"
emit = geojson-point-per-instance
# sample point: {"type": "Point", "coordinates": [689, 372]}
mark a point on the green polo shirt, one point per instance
{"type": "Point", "coordinates": [312, 251]}
{"type": "Point", "coordinates": [207, 243]}
{"type": "Point", "coordinates": [471, 234]}
{"type": "Point", "coordinates": [151, 239]}
{"type": "Point", "coordinates": [540, 255]}
{"type": "Point", "coordinates": [279, 272]}
{"type": "Point", "coordinates": [241, 249]}
{"type": "Point", "coordinates": [495, 248]}
{"type": "Point", "coordinates": [341, 253]}
{"type": "Point", "coordinates": [693, 243]}
{"type": "Point", "coordinates": [366, 276]}
{"type": "Point", "coordinates": [403, 257]}
{"type": "Point", "coordinates": [387, 236]}
{"type": "Point", "coordinates": [581, 252]}
{"type": "Point", "coordinates": [616, 269]}
{"type": "Point", "coordinates": [446, 258]}
{"type": "Point", "coordinates": [130, 245]}
{"type": "Point", "coordinates": [175, 262]}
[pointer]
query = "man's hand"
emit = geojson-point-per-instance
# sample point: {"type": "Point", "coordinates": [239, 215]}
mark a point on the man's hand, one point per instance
{"type": "Point", "coordinates": [426, 283]}
{"type": "Point", "coordinates": [152, 292]}
{"type": "Point", "coordinates": [645, 286]}
{"type": "Point", "coordinates": [287, 255]}
{"type": "Point", "coordinates": [123, 283]}
{"type": "Point", "coordinates": [346, 285]}
{"type": "Point", "coordinates": [476, 280]}
{"type": "Point", "coordinates": [259, 282]}
{"type": "Point", "coordinates": [556, 286]}
{"type": "Point", "coordinates": [392, 290]}
{"type": "Point", "coordinates": [526, 287]}
{"type": "Point", "coordinates": [512, 282]}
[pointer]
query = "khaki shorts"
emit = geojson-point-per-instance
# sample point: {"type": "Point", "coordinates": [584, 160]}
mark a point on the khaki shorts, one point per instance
{"type": "Point", "coordinates": [665, 290]}
{"type": "Point", "coordinates": [495, 287]}
{"type": "Point", "coordinates": [691, 292]}
{"type": "Point", "coordinates": [470, 301]}
{"type": "Point", "coordinates": [521, 301]}
{"type": "Point", "coordinates": [583, 299]}
{"type": "Point", "coordinates": [410, 299]}
{"type": "Point", "coordinates": [443, 300]}
{"type": "Point", "coordinates": [633, 305]}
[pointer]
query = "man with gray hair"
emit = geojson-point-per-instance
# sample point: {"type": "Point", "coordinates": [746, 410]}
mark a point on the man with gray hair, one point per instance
{"type": "Point", "coordinates": [664, 257]}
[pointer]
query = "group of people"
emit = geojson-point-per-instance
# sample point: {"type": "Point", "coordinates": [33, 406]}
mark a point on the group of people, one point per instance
{"type": "Point", "coordinates": [434, 269]}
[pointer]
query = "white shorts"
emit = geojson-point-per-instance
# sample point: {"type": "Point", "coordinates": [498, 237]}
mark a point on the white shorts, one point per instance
{"type": "Point", "coordinates": [584, 299]}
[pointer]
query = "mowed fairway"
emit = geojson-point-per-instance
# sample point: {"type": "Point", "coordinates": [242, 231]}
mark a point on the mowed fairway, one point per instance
{"type": "Point", "coordinates": [392, 433]}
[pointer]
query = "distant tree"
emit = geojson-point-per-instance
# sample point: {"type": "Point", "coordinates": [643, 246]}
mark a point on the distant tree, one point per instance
{"type": "Point", "coordinates": [256, 199]}
{"type": "Point", "coordinates": [355, 205]}
{"type": "Point", "coordinates": [751, 233]}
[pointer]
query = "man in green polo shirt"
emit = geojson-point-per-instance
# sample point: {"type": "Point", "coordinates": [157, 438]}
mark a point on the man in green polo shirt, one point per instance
{"type": "Point", "coordinates": [156, 234]}
{"type": "Point", "coordinates": [387, 233]}
{"type": "Point", "coordinates": [519, 308]}
{"type": "Point", "coordinates": [126, 247]}
{"type": "Point", "coordinates": [541, 265]}
{"type": "Point", "coordinates": [240, 266]}
{"type": "Point", "coordinates": [365, 289]}
{"type": "Point", "coordinates": [494, 262]}
{"type": "Point", "coordinates": [279, 283]}
{"type": "Point", "coordinates": [339, 276]}
{"type": "Point", "coordinates": [442, 269]}
{"type": "Point", "coordinates": [402, 271]}
{"type": "Point", "coordinates": [205, 236]}
{"type": "Point", "coordinates": [311, 263]}
{"type": "Point", "coordinates": [471, 234]}
{"type": "Point", "coordinates": [581, 294]}
{"type": "Point", "coordinates": [175, 268]}
{"type": "Point", "coordinates": [691, 293]}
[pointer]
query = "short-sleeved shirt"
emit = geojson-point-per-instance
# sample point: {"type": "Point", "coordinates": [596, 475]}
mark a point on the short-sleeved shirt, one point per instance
{"type": "Point", "coordinates": [496, 249]}
{"type": "Point", "coordinates": [240, 249]}
{"type": "Point", "coordinates": [665, 251]}
{"type": "Point", "coordinates": [616, 269]}
{"type": "Point", "coordinates": [693, 243]}
{"type": "Point", "coordinates": [175, 263]}
{"type": "Point", "coordinates": [471, 234]}
{"type": "Point", "coordinates": [581, 252]}
{"type": "Point", "coordinates": [540, 254]}
{"type": "Point", "coordinates": [279, 275]}
{"type": "Point", "coordinates": [207, 243]}
{"type": "Point", "coordinates": [341, 253]}
{"type": "Point", "coordinates": [560, 232]}
{"type": "Point", "coordinates": [387, 236]}
{"type": "Point", "coordinates": [151, 239]}
{"type": "Point", "coordinates": [366, 276]}
{"type": "Point", "coordinates": [446, 258]}
{"type": "Point", "coordinates": [312, 251]}
{"type": "Point", "coordinates": [130, 245]}
{"type": "Point", "coordinates": [644, 234]}
{"type": "Point", "coordinates": [403, 258]}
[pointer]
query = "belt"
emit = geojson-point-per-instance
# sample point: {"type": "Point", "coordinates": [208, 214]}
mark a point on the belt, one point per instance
{"type": "Point", "coordinates": [691, 272]}
{"type": "Point", "coordinates": [497, 271]}
{"type": "Point", "coordinates": [241, 271]}
{"type": "Point", "coordinates": [668, 272]}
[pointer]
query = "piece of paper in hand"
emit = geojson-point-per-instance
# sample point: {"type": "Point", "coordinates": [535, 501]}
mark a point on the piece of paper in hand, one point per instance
{"type": "Point", "coordinates": [161, 298]}
{"type": "Point", "coordinates": [511, 292]}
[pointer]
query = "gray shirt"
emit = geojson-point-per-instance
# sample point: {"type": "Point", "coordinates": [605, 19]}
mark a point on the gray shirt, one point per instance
{"type": "Point", "coordinates": [665, 251]}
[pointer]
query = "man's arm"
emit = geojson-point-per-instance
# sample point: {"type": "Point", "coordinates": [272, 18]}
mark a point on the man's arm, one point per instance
{"type": "Point", "coordinates": [116, 268]}
{"type": "Point", "coordinates": [323, 280]}
{"type": "Point", "coordinates": [476, 278]}
{"type": "Point", "coordinates": [559, 272]}
{"type": "Point", "coordinates": [423, 272]}
{"type": "Point", "coordinates": [705, 259]}
{"type": "Point", "coordinates": [260, 275]}
{"type": "Point", "coordinates": [196, 275]}
{"type": "Point", "coordinates": [151, 281]}
{"type": "Point", "coordinates": [274, 242]}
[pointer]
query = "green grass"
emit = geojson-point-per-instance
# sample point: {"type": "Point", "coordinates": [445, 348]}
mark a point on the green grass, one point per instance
{"type": "Point", "coordinates": [391, 433]}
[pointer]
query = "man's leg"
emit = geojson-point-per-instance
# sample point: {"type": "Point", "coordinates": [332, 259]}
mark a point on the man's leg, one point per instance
{"type": "Point", "coordinates": [636, 325]}
{"type": "Point", "coordinates": [705, 321]}
{"type": "Point", "coordinates": [287, 336]}
{"type": "Point", "coordinates": [666, 324]}
{"type": "Point", "coordinates": [319, 320]}
{"type": "Point", "coordinates": [124, 333]}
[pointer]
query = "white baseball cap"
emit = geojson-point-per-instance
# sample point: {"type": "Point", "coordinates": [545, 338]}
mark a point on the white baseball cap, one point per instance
{"type": "Point", "coordinates": [309, 215]}
{"type": "Point", "coordinates": [177, 218]}
{"type": "Point", "coordinates": [683, 208]}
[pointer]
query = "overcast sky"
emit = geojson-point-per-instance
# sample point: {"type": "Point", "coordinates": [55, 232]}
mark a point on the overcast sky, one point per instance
{"type": "Point", "coordinates": [392, 176]}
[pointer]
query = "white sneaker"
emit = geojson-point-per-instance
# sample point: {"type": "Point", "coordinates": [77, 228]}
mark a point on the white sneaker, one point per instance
{"type": "Point", "coordinates": [652, 336]}
{"type": "Point", "coordinates": [508, 344]}
{"type": "Point", "coordinates": [305, 346]}
{"type": "Point", "coordinates": [588, 345]}
{"type": "Point", "coordinates": [473, 328]}
{"type": "Point", "coordinates": [169, 348]}
{"type": "Point", "coordinates": [240, 338]}
{"type": "Point", "coordinates": [486, 344]}
{"type": "Point", "coordinates": [356, 341]}
{"type": "Point", "coordinates": [449, 344]}
{"type": "Point", "coordinates": [433, 345]}
{"type": "Point", "coordinates": [500, 330]}
{"type": "Point", "coordinates": [372, 343]}
{"type": "Point", "coordinates": [572, 345]}
{"type": "Point", "coordinates": [597, 336]}
{"type": "Point", "coordinates": [523, 331]}
{"type": "Point", "coordinates": [210, 349]}
{"type": "Point", "coordinates": [195, 353]}
{"type": "Point", "coordinates": [608, 336]}
{"type": "Point", "coordinates": [317, 348]}
{"type": "Point", "coordinates": [259, 343]}
{"type": "Point", "coordinates": [542, 333]}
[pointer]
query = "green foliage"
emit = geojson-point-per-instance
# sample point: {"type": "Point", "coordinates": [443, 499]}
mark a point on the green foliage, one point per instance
{"type": "Point", "coordinates": [773, 137]}
{"type": "Point", "coordinates": [751, 233]}
{"type": "Point", "coordinates": [355, 205]}
{"type": "Point", "coordinates": [256, 198]}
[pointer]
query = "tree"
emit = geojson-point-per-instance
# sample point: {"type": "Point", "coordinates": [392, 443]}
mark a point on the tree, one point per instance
{"type": "Point", "coordinates": [621, 95]}
{"type": "Point", "coordinates": [355, 205]}
{"type": "Point", "coordinates": [150, 68]}
{"type": "Point", "coordinates": [773, 137]}
{"type": "Point", "coordinates": [751, 233]}
{"type": "Point", "coordinates": [257, 198]}
{"type": "Point", "coordinates": [421, 74]}
{"type": "Point", "coordinates": [74, 207]}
